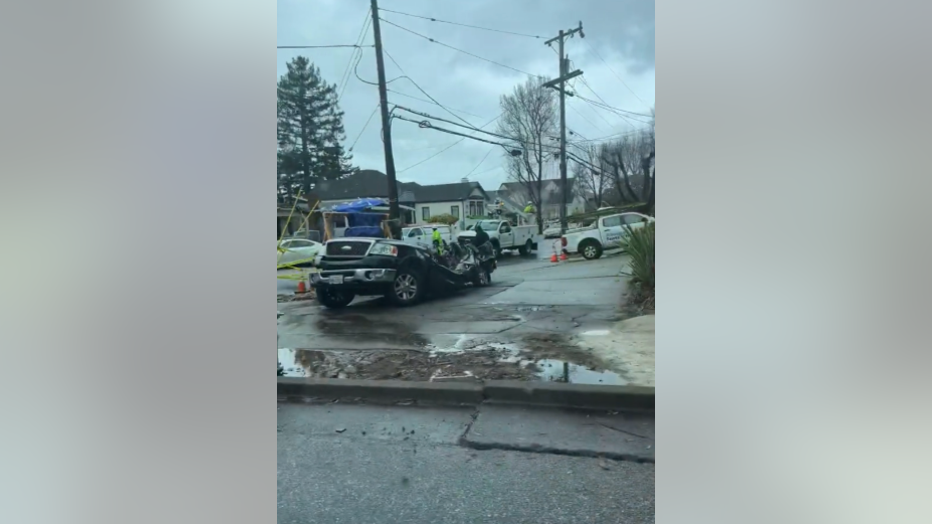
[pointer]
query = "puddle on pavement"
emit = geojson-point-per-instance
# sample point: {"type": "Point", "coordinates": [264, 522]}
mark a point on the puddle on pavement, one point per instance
{"type": "Point", "coordinates": [557, 371]}
{"type": "Point", "coordinates": [289, 364]}
{"type": "Point", "coordinates": [544, 368]}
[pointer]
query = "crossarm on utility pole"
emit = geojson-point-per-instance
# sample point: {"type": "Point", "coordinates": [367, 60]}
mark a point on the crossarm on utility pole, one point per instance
{"type": "Point", "coordinates": [557, 81]}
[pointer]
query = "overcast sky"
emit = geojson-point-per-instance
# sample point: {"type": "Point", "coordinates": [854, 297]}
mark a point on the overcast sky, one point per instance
{"type": "Point", "coordinates": [621, 32]}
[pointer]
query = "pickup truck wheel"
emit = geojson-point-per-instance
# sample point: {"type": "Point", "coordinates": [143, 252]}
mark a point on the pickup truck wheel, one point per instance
{"type": "Point", "coordinates": [590, 249]}
{"type": "Point", "coordinates": [525, 250]}
{"type": "Point", "coordinates": [407, 288]}
{"type": "Point", "coordinates": [333, 298]}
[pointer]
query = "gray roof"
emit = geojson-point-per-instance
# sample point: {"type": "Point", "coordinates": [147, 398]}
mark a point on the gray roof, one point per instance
{"type": "Point", "coordinates": [363, 184]}
{"type": "Point", "coordinates": [369, 183]}
{"type": "Point", "coordinates": [446, 192]}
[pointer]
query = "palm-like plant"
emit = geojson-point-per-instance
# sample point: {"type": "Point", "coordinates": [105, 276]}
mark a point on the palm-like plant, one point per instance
{"type": "Point", "coordinates": [639, 245]}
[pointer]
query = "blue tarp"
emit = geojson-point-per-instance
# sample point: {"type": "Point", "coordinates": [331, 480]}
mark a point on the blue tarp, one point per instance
{"type": "Point", "coordinates": [364, 219]}
{"type": "Point", "coordinates": [364, 231]}
{"type": "Point", "coordinates": [359, 205]}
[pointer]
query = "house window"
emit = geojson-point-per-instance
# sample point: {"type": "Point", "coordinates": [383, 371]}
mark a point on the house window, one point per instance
{"type": "Point", "coordinates": [476, 208]}
{"type": "Point", "coordinates": [479, 209]}
{"type": "Point", "coordinates": [455, 211]}
{"type": "Point", "coordinates": [425, 213]}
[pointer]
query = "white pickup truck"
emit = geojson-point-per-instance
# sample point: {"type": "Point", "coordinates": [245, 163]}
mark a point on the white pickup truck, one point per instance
{"type": "Point", "coordinates": [604, 234]}
{"type": "Point", "coordinates": [422, 234]}
{"type": "Point", "coordinates": [505, 236]}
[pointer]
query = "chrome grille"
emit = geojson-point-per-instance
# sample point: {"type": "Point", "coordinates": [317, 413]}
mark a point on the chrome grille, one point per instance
{"type": "Point", "coordinates": [348, 248]}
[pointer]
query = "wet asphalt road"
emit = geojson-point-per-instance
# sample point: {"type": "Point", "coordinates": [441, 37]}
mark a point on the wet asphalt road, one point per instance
{"type": "Point", "coordinates": [388, 465]}
{"type": "Point", "coordinates": [527, 296]}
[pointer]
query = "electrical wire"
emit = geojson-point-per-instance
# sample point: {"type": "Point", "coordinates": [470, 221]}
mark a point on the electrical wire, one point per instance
{"type": "Point", "coordinates": [320, 46]}
{"type": "Point", "coordinates": [480, 163]}
{"type": "Point", "coordinates": [363, 80]}
{"type": "Point", "coordinates": [593, 51]}
{"type": "Point", "coordinates": [459, 24]}
{"type": "Point", "coordinates": [586, 119]}
{"type": "Point", "coordinates": [399, 93]}
{"type": "Point", "coordinates": [419, 88]}
{"type": "Point", "coordinates": [425, 124]}
{"type": "Point", "coordinates": [487, 170]}
{"type": "Point", "coordinates": [458, 49]}
{"type": "Point", "coordinates": [446, 148]}
{"type": "Point", "coordinates": [612, 108]}
{"type": "Point", "coordinates": [627, 115]}
{"type": "Point", "coordinates": [374, 111]}
{"type": "Point", "coordinates": [344, 79]}
{"type": "Point", "coordinates": [610, 137]}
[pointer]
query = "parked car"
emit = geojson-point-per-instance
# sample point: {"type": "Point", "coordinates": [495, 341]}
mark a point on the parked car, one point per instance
{"type": "Point", "coordinates": [604, 234]}
{"type": "Point", "coordinates": [505, 236]}
{"type": "Point", "coordinates": [402, 272]}
{"type": "Point", "coordinates": [298, 252]}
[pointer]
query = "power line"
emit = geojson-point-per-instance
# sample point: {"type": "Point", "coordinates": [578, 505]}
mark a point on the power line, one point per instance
{"type": "Point", "coordinates": [592, 49]}
{"type": "Point", "coordinates": [480, 163]}
{"type": "Point", "coordinates": [449, 146]}
{"type": "Point", "coordinates": [374, 111]}
{"type": "Point", "coordinates": [405, 75]}
{"type": "Point", "coordinates": [459, 24]}
{"type": "Point", "coordinates": [487, 170]}
{"type": "Point", "coordinates": [620, 112]}
{"type": "Point", "coordinates": [321, 46]}
{"type": "Point", "coordinates": [610, 137]}
{"type": "Point", "coordinates": [604, 103]}
{"type": "Point", "coordinates": [458, 49]}
{"type": "Point", "coordinates": [344, 79]}
{"type": "Point", "coordinates": [426, 124]}
{"type": "Point", "coordinates": [590, 121]}
{"type": "Point", "coordinates": [399, 93]}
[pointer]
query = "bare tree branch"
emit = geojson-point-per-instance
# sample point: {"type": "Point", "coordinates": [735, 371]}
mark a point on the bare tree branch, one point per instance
{"type": "Point", "coordinates": [529, 116]}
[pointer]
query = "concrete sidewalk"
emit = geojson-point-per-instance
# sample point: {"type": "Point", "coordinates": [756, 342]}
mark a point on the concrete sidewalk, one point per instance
{"type": "Point", "coordinates": [627, 348]}
{"type": "Point", "coordinates": [380, 465]}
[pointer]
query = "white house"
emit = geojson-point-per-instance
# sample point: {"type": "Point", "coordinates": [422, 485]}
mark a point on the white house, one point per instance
{"type": "Point", "coordinates": [460, 199]}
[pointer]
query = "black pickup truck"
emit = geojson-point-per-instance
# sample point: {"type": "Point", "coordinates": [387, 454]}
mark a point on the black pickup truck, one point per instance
{"type": "Point", "coordinates": [404, 273]}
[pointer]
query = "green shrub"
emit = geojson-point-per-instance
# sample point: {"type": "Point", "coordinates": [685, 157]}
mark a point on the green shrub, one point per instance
{"type": "Point", "coordinates": [639, 245]}
{"type": "Point", "coordinates": [445, 218]}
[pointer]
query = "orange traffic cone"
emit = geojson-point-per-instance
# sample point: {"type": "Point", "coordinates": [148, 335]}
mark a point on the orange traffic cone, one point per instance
{"type": "Point", "coordinates": [301, 288]}
{"type": "Point", "coordinates": [563, 255]}
{"type": "Point", "coordinates": [553, 257]}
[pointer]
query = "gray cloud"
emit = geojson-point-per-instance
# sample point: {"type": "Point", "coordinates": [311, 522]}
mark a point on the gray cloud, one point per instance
{"type": "Point", "coordinates": [620, 32]}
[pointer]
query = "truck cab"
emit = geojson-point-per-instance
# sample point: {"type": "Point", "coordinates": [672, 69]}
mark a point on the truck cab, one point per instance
{"type": "Point", "coordinates": [606, 233]}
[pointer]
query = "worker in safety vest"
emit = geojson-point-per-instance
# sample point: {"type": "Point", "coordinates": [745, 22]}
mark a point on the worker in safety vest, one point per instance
{"type": "Point", "coordinates": [529, 209]}
{"type": "Point", "coordinates": [438, 240]}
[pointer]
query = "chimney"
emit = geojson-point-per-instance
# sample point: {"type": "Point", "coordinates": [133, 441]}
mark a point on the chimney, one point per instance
{"type": "Point", "coordinates": [464, 180]}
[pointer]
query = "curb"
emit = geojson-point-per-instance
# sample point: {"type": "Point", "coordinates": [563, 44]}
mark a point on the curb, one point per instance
{"type": "Point", "coordinates": [550, 394]}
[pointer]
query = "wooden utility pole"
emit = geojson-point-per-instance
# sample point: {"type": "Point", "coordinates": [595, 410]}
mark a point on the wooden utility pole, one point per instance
{"type": "Point", "coordinates": [393, 210]}
{"type": "Point", "coordinates": [559, 83]}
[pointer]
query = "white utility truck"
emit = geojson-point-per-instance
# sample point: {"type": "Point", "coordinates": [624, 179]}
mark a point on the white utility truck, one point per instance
{"type": "Point", "coordinates": [422, 234]}
{"type": "Point", "coordinates": [606, 233]}
{"type": "Point", "coordinates": [505, 236]}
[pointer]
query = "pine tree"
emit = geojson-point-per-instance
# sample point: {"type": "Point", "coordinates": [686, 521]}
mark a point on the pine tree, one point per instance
{"type": "Point", "coordinates": [310, 130]}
